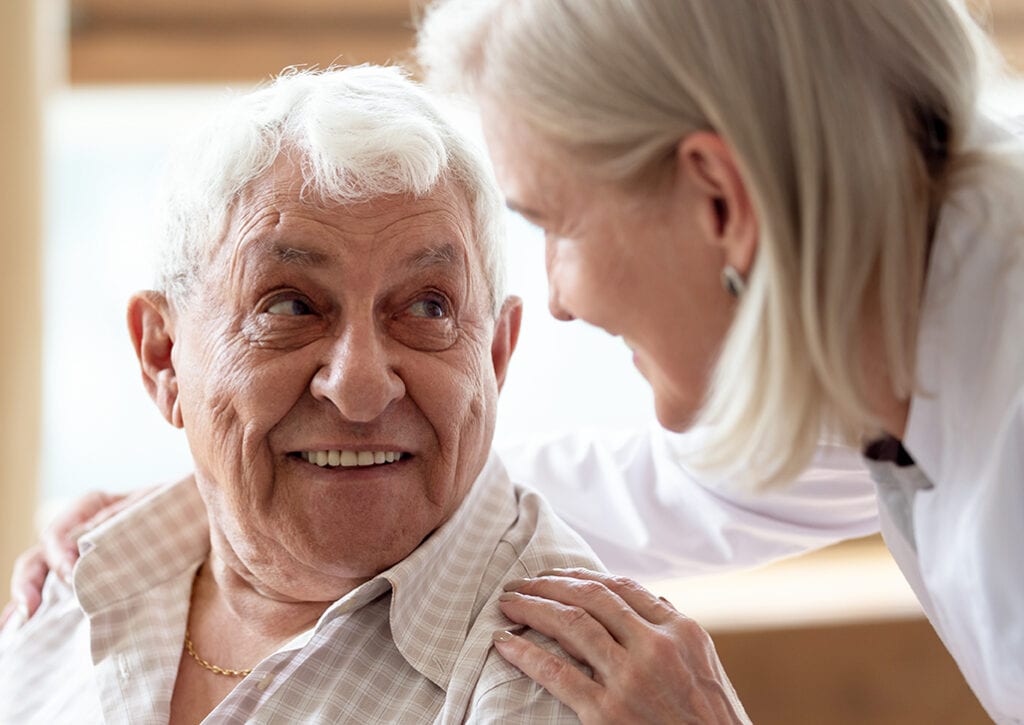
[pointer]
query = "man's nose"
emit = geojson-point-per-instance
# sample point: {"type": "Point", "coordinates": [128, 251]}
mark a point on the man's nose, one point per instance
{"type": "Point", "coordinates": [357, 375]}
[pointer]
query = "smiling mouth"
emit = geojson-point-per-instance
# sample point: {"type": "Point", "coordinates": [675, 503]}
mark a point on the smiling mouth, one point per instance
{"type": "Point", "coordinates": [350, 459]}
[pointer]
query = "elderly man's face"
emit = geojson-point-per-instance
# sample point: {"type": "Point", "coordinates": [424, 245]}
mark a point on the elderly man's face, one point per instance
{"type": "Point", "coordinates": [336, 369]}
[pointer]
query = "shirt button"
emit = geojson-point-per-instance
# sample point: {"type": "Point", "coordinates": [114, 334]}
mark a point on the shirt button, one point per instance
{"type": "Point", "coordinates": [265, 682]}
{"type": "Point", "coordinates": [122, 666]}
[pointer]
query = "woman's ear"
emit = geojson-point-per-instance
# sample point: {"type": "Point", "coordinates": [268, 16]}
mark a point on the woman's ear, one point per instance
{"type": "Point", "coordinates": [150, 325]}
{"type": "Point", "coordinates": [706, 166]}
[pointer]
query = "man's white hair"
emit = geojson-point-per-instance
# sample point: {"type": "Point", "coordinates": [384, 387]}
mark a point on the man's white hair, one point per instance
{"type": "Point", "coordinates": [359, 133]}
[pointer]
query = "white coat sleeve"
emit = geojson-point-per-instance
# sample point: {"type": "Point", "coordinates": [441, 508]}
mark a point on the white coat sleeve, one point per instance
{"type": "Point", "coordinates": [647, 516]}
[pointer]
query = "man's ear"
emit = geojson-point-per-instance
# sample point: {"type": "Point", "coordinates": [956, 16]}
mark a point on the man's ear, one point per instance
{"type": "Point", "coordinates": [725, 212]}
{"type": "Point", "coordinates": [150, 325]}
{"type": "Point", "coordinates": [506, 335]}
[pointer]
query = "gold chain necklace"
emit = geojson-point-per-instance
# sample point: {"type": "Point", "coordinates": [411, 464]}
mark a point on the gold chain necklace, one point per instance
{"type": "Point", "coordinates": [211, 667]}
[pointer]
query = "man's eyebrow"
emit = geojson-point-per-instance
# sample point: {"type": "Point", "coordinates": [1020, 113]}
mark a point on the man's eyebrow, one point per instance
{"type": "Point", "coordinates": [296, 255]}
{"type": "Point", "coordinates": [441, 255]}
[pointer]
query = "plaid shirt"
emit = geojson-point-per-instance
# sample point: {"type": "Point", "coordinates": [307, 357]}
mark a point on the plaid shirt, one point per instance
{"type": "Point", "coordinates": [412, 645]}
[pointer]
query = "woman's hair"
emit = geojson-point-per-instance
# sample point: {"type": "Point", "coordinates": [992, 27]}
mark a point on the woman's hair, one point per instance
{"type": "Point", "coordinates": [357, 133]}
{"type": "Point", "coordinates": [847, 118]}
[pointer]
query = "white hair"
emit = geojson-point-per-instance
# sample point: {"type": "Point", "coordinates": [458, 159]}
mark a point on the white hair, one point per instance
{"type": "Point", "coordinates": [848, 120]}
{"type": "Point", "coordinates": [360, 132]}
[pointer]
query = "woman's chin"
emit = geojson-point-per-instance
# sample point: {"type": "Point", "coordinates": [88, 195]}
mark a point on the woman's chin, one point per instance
{"type": "Point", "coordinates": [673, 414]}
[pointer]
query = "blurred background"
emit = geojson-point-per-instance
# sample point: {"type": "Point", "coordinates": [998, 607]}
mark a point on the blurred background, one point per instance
{"type": "Point", "coordinates": [96, 90]}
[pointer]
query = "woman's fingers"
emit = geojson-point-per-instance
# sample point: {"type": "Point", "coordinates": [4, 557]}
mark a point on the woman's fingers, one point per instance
{"type": "Point", "coordinates": [656, 610]}
{"type": "Point", "coordinates": [27, 584]}
{"type": "Point", "coordinates": [601, 599]}
{"type": "Point", "coordinates": [58, 548]}
{"type": "Point", "coordinates": [116, 503]}
{"type": "Point", "coordinates": [555, 674]}
{"type": "Point", "coordinates": [574, 628]}
{"type": "Point", "coordinates": [651, 663]}
{"type": "Point", "coordinates": [60, 538]}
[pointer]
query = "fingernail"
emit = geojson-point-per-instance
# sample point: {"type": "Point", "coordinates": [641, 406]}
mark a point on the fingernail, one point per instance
{"type": "Point", "coordinates": [509, 596]}
{"type": "Point", "coordinates": [502, 635]}
{"type": "Point", "coordinates": [516, 584]}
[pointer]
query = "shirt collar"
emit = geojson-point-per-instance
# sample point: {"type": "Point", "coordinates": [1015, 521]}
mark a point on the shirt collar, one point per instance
{"type": "Point", "coordinates": [161, 536]}
{"type": "Point", "coordinates": [435, 591]}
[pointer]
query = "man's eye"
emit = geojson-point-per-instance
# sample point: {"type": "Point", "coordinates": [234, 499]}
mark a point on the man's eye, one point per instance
{"type": "Point", "coordinates": [291, 306]}
{"type": "Point", "coordinates": [433, 309]}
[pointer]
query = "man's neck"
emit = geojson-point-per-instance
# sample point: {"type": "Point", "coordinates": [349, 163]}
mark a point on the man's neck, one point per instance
{"type": "Point", "coordinates": [242, 604]}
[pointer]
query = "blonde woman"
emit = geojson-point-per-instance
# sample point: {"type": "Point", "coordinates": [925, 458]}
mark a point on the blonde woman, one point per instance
{"type": "Point", "coordinates": [795, 215]}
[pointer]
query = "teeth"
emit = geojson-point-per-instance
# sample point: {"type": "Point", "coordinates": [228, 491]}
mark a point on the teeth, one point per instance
{"type": "Point", "coordinates": [350, 458]}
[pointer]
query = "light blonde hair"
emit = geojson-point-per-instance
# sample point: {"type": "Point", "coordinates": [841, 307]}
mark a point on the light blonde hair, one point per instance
{"type": "Point", "coordinates": [847, 118]}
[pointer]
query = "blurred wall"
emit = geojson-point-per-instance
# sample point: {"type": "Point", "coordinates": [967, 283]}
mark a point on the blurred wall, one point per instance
{"type": "Point", "coordinates": [20, 294]}
{"type": "Point", "coordinates": [189, 41]}
{"type": "Point", "coordinates": [197, 40]}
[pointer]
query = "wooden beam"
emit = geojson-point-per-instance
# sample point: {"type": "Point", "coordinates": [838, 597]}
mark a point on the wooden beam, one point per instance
{"type": "Point", "coordinates": [139, 55]}
{"type": "Point", "coordinates": [101, 11]}
{"type": "Point", "coordinates": [883, 673]}
{"type": "Point", "coordinates": [184, 41]}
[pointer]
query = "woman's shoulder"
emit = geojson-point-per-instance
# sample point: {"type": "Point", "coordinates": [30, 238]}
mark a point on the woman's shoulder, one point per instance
{"type": "Point", "coordinates": [970, 358]}
{"type": "Point", "coordinates": [983, 208]}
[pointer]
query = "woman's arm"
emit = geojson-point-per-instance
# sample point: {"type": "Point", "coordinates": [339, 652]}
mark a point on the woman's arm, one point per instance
{"type": "Point", "coordinates": [646, 515]}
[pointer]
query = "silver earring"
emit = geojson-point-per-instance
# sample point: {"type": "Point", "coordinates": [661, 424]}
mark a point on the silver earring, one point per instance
{"type": "Point", "coordinates": [733, 281]}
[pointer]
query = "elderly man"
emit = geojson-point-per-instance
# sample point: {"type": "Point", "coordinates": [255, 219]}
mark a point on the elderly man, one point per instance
{"type": "Point", "coordinates": [331, 333]}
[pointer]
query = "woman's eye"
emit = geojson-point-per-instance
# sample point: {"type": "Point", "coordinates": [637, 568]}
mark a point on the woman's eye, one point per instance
{"type": "Point", "coordinates": [290, 306]}
{"type": "Point", "coordinates": [428, 308]}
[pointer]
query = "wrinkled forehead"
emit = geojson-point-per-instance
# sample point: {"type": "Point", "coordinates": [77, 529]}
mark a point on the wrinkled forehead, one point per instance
{"type": "Point", "coordinates": [279, 217]}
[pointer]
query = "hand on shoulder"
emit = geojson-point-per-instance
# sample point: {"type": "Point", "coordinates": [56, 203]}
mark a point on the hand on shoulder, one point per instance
{"type": "Point", "coordinates": [651, 664]}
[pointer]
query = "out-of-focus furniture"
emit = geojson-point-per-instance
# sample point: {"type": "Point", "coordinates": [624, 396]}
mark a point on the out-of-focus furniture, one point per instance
{"type": "Point", "coordinates": [833, 637]}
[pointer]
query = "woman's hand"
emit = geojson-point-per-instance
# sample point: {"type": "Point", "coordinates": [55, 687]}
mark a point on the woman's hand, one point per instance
{"type": "Point", "coordinates": [58, 549]}
{"type": "Point", "coordinates": [651, 664]}
{"type": "Point", "coordinates": [26, 586]}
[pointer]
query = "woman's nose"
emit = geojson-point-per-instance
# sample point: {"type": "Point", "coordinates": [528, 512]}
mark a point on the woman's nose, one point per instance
{"type": "Point", "coordinates": [558, 311]}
